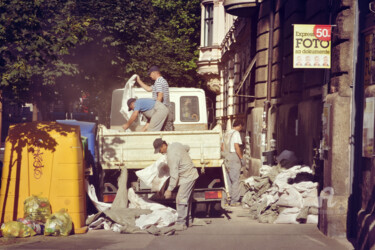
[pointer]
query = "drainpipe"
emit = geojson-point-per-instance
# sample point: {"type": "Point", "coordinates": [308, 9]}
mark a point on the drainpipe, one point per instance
{"type": "Point", "coordinates": [354, 96]}
{"type": "Point", "coordinates": [267, 103]}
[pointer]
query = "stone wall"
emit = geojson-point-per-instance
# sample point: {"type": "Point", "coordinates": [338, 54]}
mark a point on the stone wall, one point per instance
{"type": "Point", "coordinates": [333, 219]}
{"type": "Point", "coordinates": [298, 95]}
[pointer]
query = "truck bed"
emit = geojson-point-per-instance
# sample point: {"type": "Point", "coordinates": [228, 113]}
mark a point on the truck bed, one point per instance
{"type": "Point", "coordinates": [134, 150]}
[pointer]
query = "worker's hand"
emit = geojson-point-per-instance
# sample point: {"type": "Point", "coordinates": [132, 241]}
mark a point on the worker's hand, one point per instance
{"type": "Point", "coordinates": [243, 162]}
{"type": "Point", "coordinates": [125, 126]}
{"type": "Point", "coordinates": [168, 194]}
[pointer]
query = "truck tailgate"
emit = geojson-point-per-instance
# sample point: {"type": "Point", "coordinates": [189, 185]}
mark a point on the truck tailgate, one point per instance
{"type": "Point", "coordinates": [135, 149]}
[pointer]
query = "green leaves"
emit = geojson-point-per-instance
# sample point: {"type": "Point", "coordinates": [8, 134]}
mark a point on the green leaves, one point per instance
{"type": "Point", "coordinates": [95, 45]}
{"type": "Point", "coordinates": [34, 37]}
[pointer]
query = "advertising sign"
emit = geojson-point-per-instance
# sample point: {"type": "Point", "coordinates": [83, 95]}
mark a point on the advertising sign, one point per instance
{"type": "Point", "coordinates": [312, 46]}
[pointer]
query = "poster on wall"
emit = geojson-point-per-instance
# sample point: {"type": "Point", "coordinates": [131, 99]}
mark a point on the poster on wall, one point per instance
{"type": "Point", "coordinates": [312, 46]}
{"type": "Point", "coordinates": [368, 127]}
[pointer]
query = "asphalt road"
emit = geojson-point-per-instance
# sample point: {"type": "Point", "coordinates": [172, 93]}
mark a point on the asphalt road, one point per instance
{"type": "Point", "coordinates": [235, 233]}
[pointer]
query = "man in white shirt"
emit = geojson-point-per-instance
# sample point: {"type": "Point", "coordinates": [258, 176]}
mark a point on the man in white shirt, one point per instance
{"type": "Point", "coordinates": [234, 160]}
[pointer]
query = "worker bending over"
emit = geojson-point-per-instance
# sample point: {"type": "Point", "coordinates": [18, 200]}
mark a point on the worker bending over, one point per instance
{"type": "Point", "coordinates": [153, 110]}
{"type": "Point", "coordinates": [182, 174]}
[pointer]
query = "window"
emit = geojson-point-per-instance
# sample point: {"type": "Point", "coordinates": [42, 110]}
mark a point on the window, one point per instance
{"type": "Point", "coordinates": [208, 21]}
{"type": "Point", "coordinates": [189, 109]}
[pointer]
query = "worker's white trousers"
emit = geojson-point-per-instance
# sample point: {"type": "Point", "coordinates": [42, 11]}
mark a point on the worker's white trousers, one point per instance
{"type": "Point", "coordinates": [184, 201]}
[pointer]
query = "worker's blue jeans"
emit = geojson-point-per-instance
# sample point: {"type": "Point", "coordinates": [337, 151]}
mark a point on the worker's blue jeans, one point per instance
{"type": "Point", "coordinates": [184, 201]}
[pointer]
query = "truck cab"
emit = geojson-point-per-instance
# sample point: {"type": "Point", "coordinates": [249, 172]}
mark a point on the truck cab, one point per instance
{"type": "Point", "coordinates": [188, 104]}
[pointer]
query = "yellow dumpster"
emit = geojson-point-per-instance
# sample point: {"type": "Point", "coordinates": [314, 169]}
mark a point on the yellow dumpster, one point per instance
{"type": "Point", "coordinates": [44, 159]}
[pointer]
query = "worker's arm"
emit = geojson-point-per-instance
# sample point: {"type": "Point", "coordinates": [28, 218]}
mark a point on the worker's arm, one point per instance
{"type": "Point", "coordinates": [160, 97]}
{"type": "Point", "coordinates": [131, 120]}
{"type": "Point", "coordinates": [143, 85]}
{"type": "Point", "coordinates": [145, 127]}
{"type": "Point", "coordinates": [173, 162]}
{"type": "Point", "coordinates": [238, 150]}
{"type": "Point", "coordinates": [173, 172]}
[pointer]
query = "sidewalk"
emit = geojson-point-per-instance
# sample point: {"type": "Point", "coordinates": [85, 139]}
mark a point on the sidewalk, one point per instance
{"type": "Point", "coordinates": [306, 231]}
{"type": "Point", "coordinates": [235, 233]}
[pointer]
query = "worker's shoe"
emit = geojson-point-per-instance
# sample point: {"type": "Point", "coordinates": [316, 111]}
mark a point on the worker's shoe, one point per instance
{"type": "Point", "coordinates": [180, 227]}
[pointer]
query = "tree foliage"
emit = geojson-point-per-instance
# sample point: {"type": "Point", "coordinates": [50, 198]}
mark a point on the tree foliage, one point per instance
{"type": "Point", "coordinates": [69, 46]}
{"type": "Point", "coordinates": [34, 36]}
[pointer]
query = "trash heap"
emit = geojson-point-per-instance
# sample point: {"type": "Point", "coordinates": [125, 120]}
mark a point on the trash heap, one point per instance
{"type": "Point", "coordinates": [38, 220]}
{"type": "Point", "coordinates": [282, 195]}
{"type": "Point", "coordinates": [130, 213]}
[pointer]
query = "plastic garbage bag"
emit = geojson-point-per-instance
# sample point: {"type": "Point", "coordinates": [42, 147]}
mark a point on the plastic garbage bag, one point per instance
{"type": "Point", "coordinates": [59, 223]}
{"type": "Point", "coordinates": [38, 228]}
{"type": "Point", "coordinates": [14, 229]}
{"type": "Point", "coordinates": [37, 209]}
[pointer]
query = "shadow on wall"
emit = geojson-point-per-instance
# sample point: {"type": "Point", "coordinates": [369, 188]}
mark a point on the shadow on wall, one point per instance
{"type": "Point", "coordinates": [36, 134]}
{"type": "Point", "coordinates": [366, 225]}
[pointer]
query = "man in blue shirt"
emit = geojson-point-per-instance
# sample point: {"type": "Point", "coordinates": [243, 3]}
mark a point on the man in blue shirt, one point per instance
{"type": "Point", "coordinates": [153, 110]}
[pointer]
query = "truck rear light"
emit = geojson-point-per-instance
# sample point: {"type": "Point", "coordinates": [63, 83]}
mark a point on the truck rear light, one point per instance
{"type": "Point", "coordinates": [109, 198]}
{"type": "Point", "coordinates": [212, 195]}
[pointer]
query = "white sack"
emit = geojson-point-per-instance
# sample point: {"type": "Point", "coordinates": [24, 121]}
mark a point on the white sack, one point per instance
{"type": "Point", "coordinates": [161, 215]}
{"type": "Point", "coordinates": [124, 110]}
{"type": "Point", "coordinates": [312, 219]}
{"type": "Point", "coordinates": [264, 170]}
{"type": "Point", "coordinates": [155, 175]}
{"type": "Point", "coordinates": [270, 198]}
{"type": "Point", "coordinates": [290, 198]}
{"type": "Point", "coordinates": [288, 216]}
{"type": "Point", "coordinates": [310, 198]}
{"type": "Point", "coordinates": [160, 218]}
{"type": "Point", "coordinates": [100, 206]}
{"type": "Point", "coordinates": [281, 180]}
{"type": "Point", "coordinates": [250, 182]}
{"type": "Point", "coordinates": [128, 93]}
{"type": "Point", "coordinates": [305, 186]}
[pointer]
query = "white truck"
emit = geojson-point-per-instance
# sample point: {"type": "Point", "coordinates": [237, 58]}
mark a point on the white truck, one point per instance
{"type": "Point", "coordinates": [134, 150]}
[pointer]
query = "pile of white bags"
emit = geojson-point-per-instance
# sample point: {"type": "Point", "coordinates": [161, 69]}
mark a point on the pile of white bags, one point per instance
{"type": "Point", "coordinates": [280, 195]}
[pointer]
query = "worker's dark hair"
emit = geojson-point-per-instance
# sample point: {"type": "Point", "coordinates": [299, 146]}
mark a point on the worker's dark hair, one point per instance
{"type": "Point", "coordinates": [238, 122]}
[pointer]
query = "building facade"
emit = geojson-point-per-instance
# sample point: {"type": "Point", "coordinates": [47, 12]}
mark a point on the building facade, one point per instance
{"type": "Point", "coordinates": [246, 57]}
